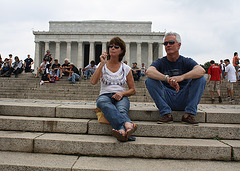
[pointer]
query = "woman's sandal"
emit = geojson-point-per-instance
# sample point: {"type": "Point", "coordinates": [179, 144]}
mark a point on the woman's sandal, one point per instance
{"type": "Point", "coordinates": [119, 136]}
{"type": "Point", "coordinates": [131, 131]}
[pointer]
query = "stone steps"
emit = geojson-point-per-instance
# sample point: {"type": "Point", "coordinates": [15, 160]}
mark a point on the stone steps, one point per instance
{"type": "Point", "coordinates": [12, 161]}
{"type": "Point", "coordinates": [101, 145]}
{"type": "Point", "coordinates": [146, 128]}
{"type": "Point", "coordinates": [71, 128]}
{"type": "Point", "coordinates": [27, 86]}
{"type": "Point", "coordinates": [223, 114]}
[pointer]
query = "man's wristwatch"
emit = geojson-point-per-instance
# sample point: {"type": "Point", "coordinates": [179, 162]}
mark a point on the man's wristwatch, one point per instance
{"type": "Point", "coordinates": [165, 79]}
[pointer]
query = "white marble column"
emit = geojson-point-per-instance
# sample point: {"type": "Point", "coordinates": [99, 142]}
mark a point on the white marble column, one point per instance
{"type": "Point", "coordinates": [91, 53]}
{"type": "Point", "coordinates": [150, 54]}
{"type": "Point", "coordinates": [160, 50]}
{"type": "Point", "coordinates": [68, 54]}
{"type": "Point", "coordinates": [46, 46]}
{"type": "Point", "coordinates": [104, 47]}
{"type": "Point", "coordinates": [80, 55]}
{"type": "Point", "coordinates": [57, 51]}
{"type": "Point", "coordinates": [36, 57]}
{"type": "Point", "coordinates": [139, 54]}
{"type": "Point", "coordinates": [127, 54]}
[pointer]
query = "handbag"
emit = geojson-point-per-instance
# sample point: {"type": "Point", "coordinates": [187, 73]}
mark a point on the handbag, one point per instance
{"type": "Point", "coordinates": [100, 116]}
{"type": "Point", "coordinates": [236, 62]}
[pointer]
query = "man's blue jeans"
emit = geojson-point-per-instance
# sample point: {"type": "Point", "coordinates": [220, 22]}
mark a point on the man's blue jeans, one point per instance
{"type": "Point", "coordinates": [116, 112]}
{"type": "Point", "coordinates": [86, 73]}
{"type": "Point", "coordinates": [168, 99]}
{"type": "Point", "coordinates": [74, 77]}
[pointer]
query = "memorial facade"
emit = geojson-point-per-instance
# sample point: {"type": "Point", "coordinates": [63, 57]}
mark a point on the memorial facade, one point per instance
{"type": "Point", "coordinates": [84, 41]}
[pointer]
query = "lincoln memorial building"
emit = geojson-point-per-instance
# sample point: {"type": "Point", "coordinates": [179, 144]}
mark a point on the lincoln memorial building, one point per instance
{"type": "Point", "coordinates": [83, 41]}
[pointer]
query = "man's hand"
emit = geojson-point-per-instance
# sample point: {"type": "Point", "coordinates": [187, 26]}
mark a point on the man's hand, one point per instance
{"type": "Point", "coordinates": [173, 81]}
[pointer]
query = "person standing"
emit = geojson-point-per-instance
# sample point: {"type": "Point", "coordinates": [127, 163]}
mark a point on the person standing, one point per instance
{"type": "Point", "coordinates": [143, 70]}
{"type": "Point", "coordinates": [48, 57]}
{"type": "Point", "coordinates": [175, 82]}
{"type": "Point", "coordinates": [222, 67]}
{"type": "Point", "coordinates": [214, 80]}
{"type": "Point", "coordinates": [113, 99]}
{"type": "Point", "coordinates": [136, 72]}
{"type": "Point", "coordinates": [28, 62]}
{"type": "Point", "coordinates": [231, 78]}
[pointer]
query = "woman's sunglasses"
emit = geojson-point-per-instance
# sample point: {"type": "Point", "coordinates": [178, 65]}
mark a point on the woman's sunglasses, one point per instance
{"type": "Point", "coordinates": [115, 46]}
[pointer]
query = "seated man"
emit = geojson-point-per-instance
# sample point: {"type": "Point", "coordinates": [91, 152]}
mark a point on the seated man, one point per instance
{"type": "Point", "coordinates": [65, 67]}
{"type": "Point", "coordinates": [73, 74]}
{"type": "Point", "coordinates": [17, 67]}
{"type": "Point", "coordinates": [89, 69]}
{"type": "Point", "coordinates": [28, 62]}
{"type": "Point", "coordinates": [136, 72]}
{"type": "Point", "coordinates": [56, 69]}
{"type": "Point", "coordinates": [175, 82]}
{"type": "Point", "coordinates": [42, 67]}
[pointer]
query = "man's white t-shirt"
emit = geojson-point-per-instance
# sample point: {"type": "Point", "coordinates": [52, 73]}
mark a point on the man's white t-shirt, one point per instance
{"type": "Point", "coordinates": [231, 73]}
{"type": "Point", "coordinates": [114, 82]}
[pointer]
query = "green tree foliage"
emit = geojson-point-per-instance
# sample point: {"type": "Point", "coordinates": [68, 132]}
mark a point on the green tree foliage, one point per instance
{"type": "Point", "coordinates": [206, 66]}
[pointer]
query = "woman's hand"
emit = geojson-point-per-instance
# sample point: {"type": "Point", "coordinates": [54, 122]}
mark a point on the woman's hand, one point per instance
{"type": "Point", "coordinates": [103, 57]}
{"type": "Point", "coordinates": [118, 96]}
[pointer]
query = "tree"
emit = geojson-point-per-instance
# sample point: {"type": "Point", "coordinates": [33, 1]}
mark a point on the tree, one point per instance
{"type": "Point", "coordinates": [206, 66]}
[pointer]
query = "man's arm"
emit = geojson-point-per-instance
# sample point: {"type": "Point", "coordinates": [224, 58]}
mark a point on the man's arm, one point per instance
{"type": "Point", "coordinates": [196, 72]}
{"type": "Point", "coordinates": [153, 73]}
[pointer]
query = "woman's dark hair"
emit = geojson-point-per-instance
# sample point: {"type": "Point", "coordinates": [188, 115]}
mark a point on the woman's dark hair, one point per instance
{"type": "Point", "coordinates": [235, 53]}
{"type": "Point", "coordinates": [16, 58]}
{"type": "Point", "coordinates": [118, 41]}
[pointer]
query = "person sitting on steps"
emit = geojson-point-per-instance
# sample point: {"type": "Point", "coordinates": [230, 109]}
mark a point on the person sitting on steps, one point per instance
{"type": "Point", "coordinates": [89, 70]}
{"type": "Point", "coordinates": [113, 99]}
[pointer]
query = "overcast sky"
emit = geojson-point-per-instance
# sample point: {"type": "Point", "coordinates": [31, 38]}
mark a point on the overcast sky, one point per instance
{"type": "Point", "coordinates": [209, 28]}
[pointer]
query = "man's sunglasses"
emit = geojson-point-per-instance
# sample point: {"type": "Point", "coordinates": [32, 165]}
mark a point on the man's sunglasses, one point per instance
{"type": "Point", "coordinates": [170, 43]}
{"type": "Point", "coordinates": [115, 46]}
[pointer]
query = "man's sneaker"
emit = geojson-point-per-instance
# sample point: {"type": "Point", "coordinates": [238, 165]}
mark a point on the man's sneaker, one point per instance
{"type": "Point", "coordinates": [189, 120]}
{"type": "Point", "coordinates": [231, 100]}
{"type": "Point", "coordinates": [220, 99]}
{"type": "Point", "coordinates": [212, 100]}
{"type": "Point", "coordinates": [166, 119]}
{"type": "Point", "coordinates": [228, 98]}
{"type": "Point", "coordinates": [41, 82]}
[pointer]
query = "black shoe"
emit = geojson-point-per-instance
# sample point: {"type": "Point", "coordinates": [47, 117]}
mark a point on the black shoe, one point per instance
{"type": "Point", "coordinates": [213, 100]}
{"type": "Point", "coordinates": [189, 120]}
{"type": "Point", "coordinates": [166, 119]}
{"type": "Point", "coordinates": [220, 99]}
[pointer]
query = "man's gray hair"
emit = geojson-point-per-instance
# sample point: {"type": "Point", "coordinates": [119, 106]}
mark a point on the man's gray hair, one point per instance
{"type": "Point", "coordinates": [178, 38]}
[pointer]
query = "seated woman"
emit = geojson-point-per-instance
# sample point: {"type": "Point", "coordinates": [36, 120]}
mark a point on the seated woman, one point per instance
{"type": "Point", "coordinates": [46, 77]}
{"type": "Point", "coordinates": [6, 68]}
{"type": "Point", "coordinates": [113, 99]}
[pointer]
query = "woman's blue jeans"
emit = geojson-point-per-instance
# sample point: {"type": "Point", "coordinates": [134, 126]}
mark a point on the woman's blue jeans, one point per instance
{"type": "Point", "coordinates": [116, 112]}
{"type": "Point", "coordinates": [168, 99]}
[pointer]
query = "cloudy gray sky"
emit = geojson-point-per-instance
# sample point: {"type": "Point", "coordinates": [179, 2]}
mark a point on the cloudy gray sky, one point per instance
{"type": "Point", "coordinates": [209, 28]}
